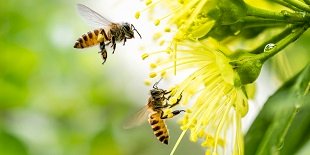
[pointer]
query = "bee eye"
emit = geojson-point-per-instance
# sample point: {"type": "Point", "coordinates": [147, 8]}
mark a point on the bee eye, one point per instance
{"type": "Point", "coordinates": [155, 92]}
{"type": "Point", "coordinates": [127, 27]}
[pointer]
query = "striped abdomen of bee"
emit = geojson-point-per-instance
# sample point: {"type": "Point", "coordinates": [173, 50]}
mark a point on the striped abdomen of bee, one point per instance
{"type": "Point", "coordinates": [91, 38]}
{"type": "Point", "coordinates": [159, 127]}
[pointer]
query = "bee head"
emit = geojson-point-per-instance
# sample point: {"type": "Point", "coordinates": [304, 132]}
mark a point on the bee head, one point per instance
{"type": "Point", "coordinates": [157, 92]}
{"type": "Point", "coordinates": [129, 30]}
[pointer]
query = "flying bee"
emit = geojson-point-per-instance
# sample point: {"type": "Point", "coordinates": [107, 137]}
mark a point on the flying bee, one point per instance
{"type": "Point", "coordinates": [157, 102]}
{"type": "Point", "coordinates": [107, 33]}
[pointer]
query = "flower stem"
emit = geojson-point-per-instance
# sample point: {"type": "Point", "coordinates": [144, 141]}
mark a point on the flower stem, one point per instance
{"type": "Point", "coordinates": [253, 11]}
{"type": "Point", "coordinates": [299, 4]}
{"type": "Point", "coordinates": [282, 16]}
{"type": "Point", "coordinates": [294, 35]}
{"type": "Point", "coordinates": [274, 39]}
{"type": "Point", "coordinates": [250, 22]}
{"type": "Point", "coordinates": [281, 2]}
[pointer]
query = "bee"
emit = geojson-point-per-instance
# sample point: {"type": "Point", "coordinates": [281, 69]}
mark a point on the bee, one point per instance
{"type": "Point", "coordinates": [157, 102]}
{"type": "Point", "coordinates": [107, 33]}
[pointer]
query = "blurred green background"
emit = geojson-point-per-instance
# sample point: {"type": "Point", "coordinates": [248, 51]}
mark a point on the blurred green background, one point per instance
{"type": "Point", "coordinates": [55, 100]}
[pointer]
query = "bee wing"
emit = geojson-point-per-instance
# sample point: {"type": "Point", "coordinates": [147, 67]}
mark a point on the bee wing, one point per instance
{"type": "Point", "coordinates": [137, 119]}
{"type": "Point", "coordinates": [91, 17]}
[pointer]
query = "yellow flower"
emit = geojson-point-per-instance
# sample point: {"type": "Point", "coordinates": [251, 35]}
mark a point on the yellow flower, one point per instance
{"type": "Point", "coordinates": [191, 17]}
{"type": "Point", "coordinates": [214, 89]}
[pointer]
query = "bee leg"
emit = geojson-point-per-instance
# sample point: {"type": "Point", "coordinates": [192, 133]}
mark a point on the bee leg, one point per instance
{"type": "Point", "coordinates": [104, 55]}
{"type": "Point", "coordinates": [168, 92]}
{"type": "Point", "coordinates": [166, 105]}
{"type": "Point", "coordinates": [101, 47]}
{"type": "Point", "coordinates": [103, 52]}
{"type": "Point", "coordinates": [113, 44]}
{"type": "Point", "coordinates": [165, 93]}
{"type": "Point", "coordinates": [161, 106]}
{"type": "Point", "coordinates": [174, 113]}
{"type": "Point", "coordinates": [125, 39]}
{"type": "Point", "coordinates": [108, 43]}
{"type": "Point", "coordinates": [177, 112]}
{"type": "Point", "coordinates": [177, 102]}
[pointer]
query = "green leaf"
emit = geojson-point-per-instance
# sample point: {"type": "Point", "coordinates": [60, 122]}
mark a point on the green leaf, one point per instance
{"type": "Point", "coordinates": [282, 126]}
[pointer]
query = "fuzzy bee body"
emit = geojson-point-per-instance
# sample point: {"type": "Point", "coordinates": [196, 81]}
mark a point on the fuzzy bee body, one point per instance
{"type": "Point", "coordinates": [159, 127]}
{"type": "Point", "coordinates": [91, 38]}
{"type": "Point", "coordinates": [107, 33]}
{"type": "Point", "coordinates": [157, 102]}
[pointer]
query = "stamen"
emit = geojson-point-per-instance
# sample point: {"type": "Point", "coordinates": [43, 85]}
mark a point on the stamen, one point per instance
{"type": "Point", "coordinates": [152, 74]}
{"type": "Point", "coordinates": [201, 133]}
{"type": "Point", "coordinates": [239, 142]}
{"type": "Point", "coordinates": [178, 67]}
{"type": "Point", "coordinates": [137, 15]}
{"type": "Point", "coordinates": [144, 56]}
{"type": "Point", "coordinates": [202, 71]}
{"type": "Point", "coordinates": [193, 137]}
{"type": "Point", "coordinates": [167, 29]}
{"type": "Point", "coordinates": [162, 42]}
{"type": "Point", "coordinates": [171, 13]}
{"type": "Point", "coordinates": [157, 35]}
{"type": "Point", "coordinates": [190, 61]}
{"type": "Point", "coordinates": [199, 58]}
{"type": "Point", "coordinates": [148, 2]}
{"type": "Point", "coordinates": [208, 108]}
{"type": "Point", "coordinates": [178, 142]}
{"type": "Point", "coordinates": [220, 128]}
{"type": "Point", "coordinates": [157, 22]}
{"type": "Point", "coordinates": [175, 57]}
{"type": "Point", "coordinates": [211, 115]}
{"type": "Point", "coordinates": [181, 1]}
{"type": "Point", "coordinates": [185, 10]}
{"type": "Point", "coordinates": [163, 74]}
{"type": "Point", "coordinates": [147, 82]}
{"type": "Point", "coordinates": [153, 65]}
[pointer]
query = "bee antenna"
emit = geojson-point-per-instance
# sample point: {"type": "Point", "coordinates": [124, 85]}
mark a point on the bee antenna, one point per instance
{"type": "Point", "coordinates": [156, 83]}
{"type": "Point", "coordinates": [136, 30]}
